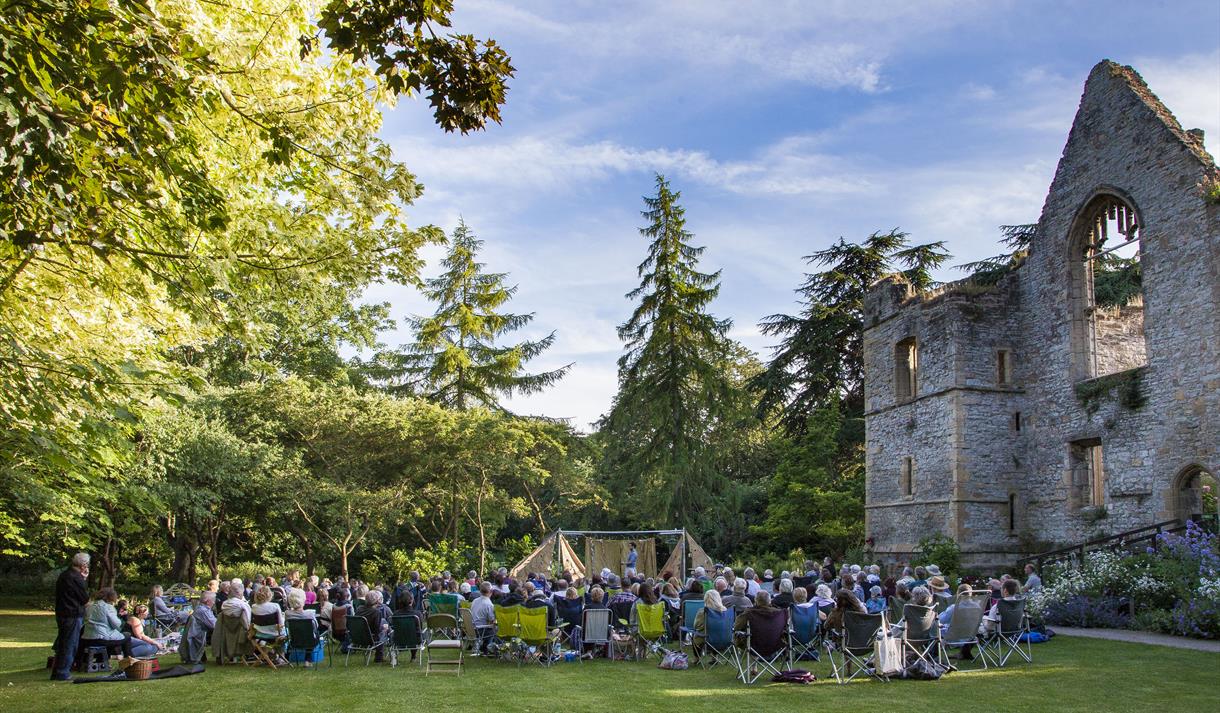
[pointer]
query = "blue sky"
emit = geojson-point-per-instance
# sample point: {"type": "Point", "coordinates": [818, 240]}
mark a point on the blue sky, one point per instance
{"type": "Point", "coordinates": [785, 126]}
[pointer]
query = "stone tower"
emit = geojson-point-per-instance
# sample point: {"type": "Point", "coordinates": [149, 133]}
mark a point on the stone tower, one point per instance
{"type": "Point", "coordinates": [1023, 415]}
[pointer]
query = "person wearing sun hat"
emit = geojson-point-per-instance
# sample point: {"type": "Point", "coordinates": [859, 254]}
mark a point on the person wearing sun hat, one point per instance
{"type": "Point", "coordinates": [934, 571]}
{"type": "Point", "coordinates": [940, 591]}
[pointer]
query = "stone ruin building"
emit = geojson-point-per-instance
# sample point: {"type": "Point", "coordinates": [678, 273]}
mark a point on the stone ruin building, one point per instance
{"type": "Point", "coordinates": [1024, 415]}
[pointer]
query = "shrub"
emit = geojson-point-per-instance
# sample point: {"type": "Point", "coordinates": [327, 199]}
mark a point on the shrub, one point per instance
{"type": "Point", "coordinates": [1197, 617]}
{"type": "Point", "coordinates": [1089, 612]}
{"type": "Point", "coordinates": [1158, 621]}
{"type": "Point", "coordinates": [942, 551]}
{"type": "Point", "coordinates": [396, 566]}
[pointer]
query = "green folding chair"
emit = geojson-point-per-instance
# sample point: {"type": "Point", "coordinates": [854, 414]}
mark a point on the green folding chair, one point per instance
{"type": "Point", "coordinates": [537, 638]}
{"type": "Point", "coordinates": [508, 629]}
{"type": "Point", "coordinates": [650, 632]}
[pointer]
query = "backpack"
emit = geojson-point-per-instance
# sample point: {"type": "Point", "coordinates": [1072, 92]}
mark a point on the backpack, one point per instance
{"type": "Point", "coordinates": [796, 675]}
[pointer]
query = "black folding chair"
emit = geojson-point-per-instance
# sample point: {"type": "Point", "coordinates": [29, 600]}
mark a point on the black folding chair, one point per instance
{"type": "Point", "coordinates": [303, 636]}
{"type": "Point", "coordinates": [360, 638]}
{"type": "Point", "coordinates": [920, 634]}
{"type": "Point", "coordinates": [766, 645]}
{"type": "Point", "coordinates": [1011, 634]}
{"type": "Point", "coordinates": [408, 636]}
{"type": "Point", "coordinates": [853, 646]}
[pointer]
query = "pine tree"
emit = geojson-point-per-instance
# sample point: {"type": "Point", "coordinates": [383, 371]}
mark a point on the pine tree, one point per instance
{"type": "Point", "coordinates": [671, 383]}
{"type": "Point", "coordinates": [820, 358]}
{"type": "Point", "coordinates": [455, 360]}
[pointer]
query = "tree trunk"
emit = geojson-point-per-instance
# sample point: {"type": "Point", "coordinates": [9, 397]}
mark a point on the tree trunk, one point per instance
{"type": "Point", "coordinates": [311, 557]}
{"type": "Point", "coordinates": [106, 559]}
{"type": "Point", "coordinates": [183, 569]}
{"type": "Point", "coordinates": [478, 511]}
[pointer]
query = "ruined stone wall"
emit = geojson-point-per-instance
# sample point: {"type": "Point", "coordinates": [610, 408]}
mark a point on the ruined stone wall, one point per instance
{"type": "Point", "coordinates": [1120, 338]}
{"type": "Point", "coordinates": [1151, 422]}
{"type": "Point", "coordinates": [1120, 144]}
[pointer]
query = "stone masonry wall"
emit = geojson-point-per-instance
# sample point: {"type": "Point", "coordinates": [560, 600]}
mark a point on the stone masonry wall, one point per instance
{"type": "Point", "coordinates": [979, 445]}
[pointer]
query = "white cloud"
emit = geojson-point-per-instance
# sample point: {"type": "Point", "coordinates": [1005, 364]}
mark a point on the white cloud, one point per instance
{"type": "Point", "coordinates": [1190, 86]}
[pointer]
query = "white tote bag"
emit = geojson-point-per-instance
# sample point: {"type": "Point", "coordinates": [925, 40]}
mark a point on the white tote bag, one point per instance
{"type": "Point", "coordinates": [889, 654]}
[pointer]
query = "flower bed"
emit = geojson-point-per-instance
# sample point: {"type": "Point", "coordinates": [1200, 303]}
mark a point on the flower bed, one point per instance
{"type": "Point", "coordinates": [1171, 588]}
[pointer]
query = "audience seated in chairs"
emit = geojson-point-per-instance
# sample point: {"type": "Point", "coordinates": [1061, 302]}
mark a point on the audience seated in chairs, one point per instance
{"type": "Point", "coordinates": [165, 617]}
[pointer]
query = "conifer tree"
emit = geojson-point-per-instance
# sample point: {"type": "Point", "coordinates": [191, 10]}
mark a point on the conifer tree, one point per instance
{"type": "Point", "coordinates": [455, 360]}
{"type": "Point", "coordinates": [671, 383]}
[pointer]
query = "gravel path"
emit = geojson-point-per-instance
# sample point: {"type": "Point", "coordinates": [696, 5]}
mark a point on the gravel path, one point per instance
{"type": "Point", "coordinates": [1142, 637]}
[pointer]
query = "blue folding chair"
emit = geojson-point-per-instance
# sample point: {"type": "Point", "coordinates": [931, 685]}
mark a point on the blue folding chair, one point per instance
{"type": "Point", "coordinates": [806, 632]}
{"type": "Point", "coordinates": [719, 640]}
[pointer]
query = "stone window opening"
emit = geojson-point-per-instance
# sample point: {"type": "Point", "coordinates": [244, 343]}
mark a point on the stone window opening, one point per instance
{"type": "Point", "coordinates": [907, 477]}
{"type": "Point", "coordinates": [1012, 512]}
{"type": "Point", "coordinates": [1003, 367]}
{"type": "Point", "coordinates": [1106, 289]}
{"type": "Point", "coordinates": [1016, 422]}
{"type": "Point", "coordinates": [1088, 473]}
{"type": "Point", "coordinates": [906, 368]}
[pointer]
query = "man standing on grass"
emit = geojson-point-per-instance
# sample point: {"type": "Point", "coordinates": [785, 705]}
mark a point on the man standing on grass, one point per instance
{"type": "Point", "coordinates": [71, 596]}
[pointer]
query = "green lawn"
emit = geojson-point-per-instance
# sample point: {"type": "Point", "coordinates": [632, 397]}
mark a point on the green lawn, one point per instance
{"type": "Point", "coordinates": [1068, 675]}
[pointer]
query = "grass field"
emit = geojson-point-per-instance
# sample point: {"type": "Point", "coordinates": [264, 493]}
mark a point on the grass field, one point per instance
{"type": "Point", "coordinates": [1067, 675]}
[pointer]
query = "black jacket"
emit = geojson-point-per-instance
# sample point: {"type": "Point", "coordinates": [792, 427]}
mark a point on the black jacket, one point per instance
{"type": "Point", "coordinates": [71, 594]}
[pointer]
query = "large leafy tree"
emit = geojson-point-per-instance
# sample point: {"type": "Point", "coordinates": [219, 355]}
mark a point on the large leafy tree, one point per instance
{"type": "Point", "coordinates": [671, 382]}
{"type": "Point", "coordinates": [456, 360]}
{"type": "Point", "coordinates": [819, 360]}
{"type": "Point", "coordinates": [178, 176]}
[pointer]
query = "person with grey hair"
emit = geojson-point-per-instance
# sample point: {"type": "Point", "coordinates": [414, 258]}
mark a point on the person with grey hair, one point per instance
{"type": "Point", "coordinates": [378, 616]}
{"type": "Point", "coordinates": [738, 599]}
{"type": "Point", "coordinates": [71, 598]}
{"type": "Point", "coordinates": [783, 599]}
{"type": "Point", "coordinates": [235, 605]}
{"type": "Point", "coordinates": [921, 596]}
{"type": "Point", "coordinates": [199, 628]}
{"type": "Point", "coordinates": [751, 582]}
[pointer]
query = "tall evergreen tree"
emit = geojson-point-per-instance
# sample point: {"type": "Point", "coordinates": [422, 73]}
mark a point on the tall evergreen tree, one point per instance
{"type": "Point", "coordinates": [671, 383]}
{"type": "Point", "coordinates": [819, 361]}
{"type": "Point", "coordinates": [455, 360]}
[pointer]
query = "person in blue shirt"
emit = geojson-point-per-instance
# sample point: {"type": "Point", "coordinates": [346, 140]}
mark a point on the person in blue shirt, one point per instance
{"type": "Point", "coordinates": [876, 602]}
{"type": "Point", "coordinates": [632, 558]}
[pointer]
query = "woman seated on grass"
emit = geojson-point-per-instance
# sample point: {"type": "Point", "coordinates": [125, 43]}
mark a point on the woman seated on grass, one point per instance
{"type": "Point", "coordinates": [102, 624]}
{"type": "Point", "coordinates": [142, 645]}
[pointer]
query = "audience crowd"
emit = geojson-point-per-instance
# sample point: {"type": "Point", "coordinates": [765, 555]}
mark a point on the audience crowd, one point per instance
{"type": "Point", "coordinates": [263, 605]}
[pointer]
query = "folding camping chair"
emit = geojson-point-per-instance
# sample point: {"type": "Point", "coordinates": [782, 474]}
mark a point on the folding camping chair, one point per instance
{"type": "Point", "coordinates": [895, 611]}
{"type": "Point", "coordinates": [338, 628]}
{"type": "Point", "coordinates": [265, 647]}
{"type": "Point", "coordinates": [537, 638]}
{"type": "Point", "coordinates": [408, 636]}
{"type": "Point", "coordinates": [766, 645]}
{"type": "Point", "coordinates": [508, 629]}
{"type": "Point", "coordinates": [718, 645]}
{"type": "Point", "coordinates": [920, 634]}
{"type": "Point", "coordinates": [854, 645]}
{"type": "Point", "coordinates": [805, 633]}
{"type": "Point", "coordinates": [1010, 635]}
{"type": "Point", "coordinates": [360, 639]}
{"type": "Point", "coordinates": [964, 625]}
{"type": "Point", "coordinates": [569, 613]}
{"type": "Point", "coordinates": [650, 632]}
{"type": "Point", "coordinates": [595, 628]}
{"type": "Point", "coordinates": [690, 610]}
{"type": "Point", "coordinates": [303, 636]}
